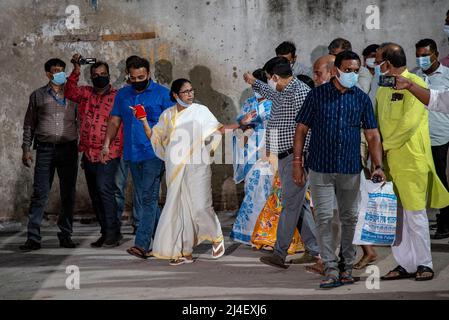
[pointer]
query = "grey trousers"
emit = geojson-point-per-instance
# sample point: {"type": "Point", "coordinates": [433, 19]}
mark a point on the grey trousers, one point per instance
{"type": "Point", "coordinates": [346, 187]}
{"type": "Point", "coordinates": [295, 213]}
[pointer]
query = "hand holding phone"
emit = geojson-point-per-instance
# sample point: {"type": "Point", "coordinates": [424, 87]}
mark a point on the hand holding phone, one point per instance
{"type": "Point", "coordinates": [139, 111]}
{"type": "Point", "coordinates": [387, 81]}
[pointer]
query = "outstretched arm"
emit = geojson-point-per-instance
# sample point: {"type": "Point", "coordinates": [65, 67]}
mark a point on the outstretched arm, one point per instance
{"type": "Point", "coordinates": [419, 92]}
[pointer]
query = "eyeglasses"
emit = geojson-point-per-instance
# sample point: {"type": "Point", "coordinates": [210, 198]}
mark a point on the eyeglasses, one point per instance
{"type": "Point", "coordinates": [187, 92]}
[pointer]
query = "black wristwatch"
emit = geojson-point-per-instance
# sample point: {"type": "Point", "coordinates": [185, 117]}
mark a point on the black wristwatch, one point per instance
{"type": "Point", "coordinates": [379, 167]}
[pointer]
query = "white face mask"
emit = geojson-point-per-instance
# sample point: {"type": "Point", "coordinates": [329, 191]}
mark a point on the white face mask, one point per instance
{"type": "Point", "coordinates": [370, 63]}
{"type": "Point", "coordinates": [292, 64]}
{"type": "Point", "coordinates": [182, 103]}
{"type": "Point", "coordinates": [272, 84]}
{"type": "Point", "coordinates": [258, 95]}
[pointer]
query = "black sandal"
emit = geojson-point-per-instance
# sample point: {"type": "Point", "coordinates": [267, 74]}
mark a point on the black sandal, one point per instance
{"type": "Point", "coordinates": [421, 270]}
{"type": "Point", "coordinates": [402, 274]}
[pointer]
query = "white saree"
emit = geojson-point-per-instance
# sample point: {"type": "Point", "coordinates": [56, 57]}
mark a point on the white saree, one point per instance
{"type": "Point", "coordinates": [188, 218]}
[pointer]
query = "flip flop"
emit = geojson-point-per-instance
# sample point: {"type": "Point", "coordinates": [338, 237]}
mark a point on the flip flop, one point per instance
{"type": "Point", "coordinates": [179, 261]}
{"type": "Point", "coordinates": [346, 278]}
{"type": "Point", "coordinates": [216, 249]}
{"type": "Point", "coordinates": [316, 269]}
{"type": "Point", "coordinates": [330, 282]}
{"type": "Point", "coordinates": [139, 253]}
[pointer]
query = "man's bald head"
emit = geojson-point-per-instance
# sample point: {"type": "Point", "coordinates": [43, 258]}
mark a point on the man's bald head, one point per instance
{"type": "Point", "coordinates": [393, 53]}
{"type": "Point", "coordinates": [322, 69]}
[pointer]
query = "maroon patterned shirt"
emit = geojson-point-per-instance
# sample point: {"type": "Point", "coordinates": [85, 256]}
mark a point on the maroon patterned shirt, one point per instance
{"type": "Point", "coordinates": [93, 116]}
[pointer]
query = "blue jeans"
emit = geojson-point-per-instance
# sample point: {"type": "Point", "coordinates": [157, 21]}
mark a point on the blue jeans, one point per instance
{"type": "Point", "coordinates": [120, 180]}
{"type": "Point", "coordinates": [147, 180]}
{"type": "Point", "coordinates": [62, 158]}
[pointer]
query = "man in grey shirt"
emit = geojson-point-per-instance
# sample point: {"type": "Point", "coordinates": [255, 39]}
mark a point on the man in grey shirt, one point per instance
{"type": "Point", "coordinates": [287, 50]}
{"type": "Point", "coordinates": [50, 122]}
{"type": "Point", "coordinates": [437, 78]}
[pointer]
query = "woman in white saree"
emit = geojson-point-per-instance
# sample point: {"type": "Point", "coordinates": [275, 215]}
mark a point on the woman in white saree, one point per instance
{"type": "Point", "coordinates": [184, 137]}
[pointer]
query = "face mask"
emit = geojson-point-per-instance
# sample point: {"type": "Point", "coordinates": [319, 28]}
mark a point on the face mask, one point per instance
{"type": "Point", "coordinates": [378, 72]}
{"type": "Point", "coordinates": [100, 82]}
{"type": "Point", "coordinates": [370, 63]}
{"type": "Point", "coordinates": [140, 85]}
{"type": "Point", "coordinates": [272, 84]}
{"type": "Point", "coordinates": [182, 103]}
{"type": "Point", "coordinates": [446, 30]}
{"type": "Point", "coordinates": [292, 64]}
{"type": "Point", "coordinates": [348, 80]}
{"type": "Point", "coordinates": [59, 78]}
{"type": "Point", "coordinates": [258, 95]}
{"type": "Point", "coordinates": [424, 62]}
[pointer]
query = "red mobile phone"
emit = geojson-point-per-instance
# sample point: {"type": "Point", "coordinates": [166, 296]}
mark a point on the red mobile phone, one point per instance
{"type": "Point", "coordinates": [140, 111]}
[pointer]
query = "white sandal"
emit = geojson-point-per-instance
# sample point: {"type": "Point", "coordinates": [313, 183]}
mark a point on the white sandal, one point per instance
{"type": "Point", "coordinates": [216, 249]}
{"type": "Point", "coordinates": [179, 261]}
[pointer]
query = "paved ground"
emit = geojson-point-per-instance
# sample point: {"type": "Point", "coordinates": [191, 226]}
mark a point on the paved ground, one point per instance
{"type": "Point", "coordinates": [113, 274]}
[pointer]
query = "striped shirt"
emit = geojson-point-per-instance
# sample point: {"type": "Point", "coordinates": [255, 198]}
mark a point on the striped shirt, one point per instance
{"type": "Point", "coordinates": [286, 104]}
{"type": "Point", "coordinates": [49, 119]}
{"type": "Point", "coordinates": [335, 119]}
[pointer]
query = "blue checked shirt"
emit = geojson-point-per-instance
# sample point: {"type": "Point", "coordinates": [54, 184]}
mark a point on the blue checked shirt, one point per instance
{"type": "Point", "coordinates": [336, 119]}
{"type": "Point", "coordinates": [286, 104]}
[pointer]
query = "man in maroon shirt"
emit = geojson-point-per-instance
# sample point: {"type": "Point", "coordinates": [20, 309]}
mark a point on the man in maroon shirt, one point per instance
{"type": "Point", "coordinates": [94, 105]}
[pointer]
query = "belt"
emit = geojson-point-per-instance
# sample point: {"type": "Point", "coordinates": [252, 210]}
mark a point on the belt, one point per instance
{"type": "Point", "coordinates": [285, 154]}
{"type": "Point", "coordinates": [55, 145]}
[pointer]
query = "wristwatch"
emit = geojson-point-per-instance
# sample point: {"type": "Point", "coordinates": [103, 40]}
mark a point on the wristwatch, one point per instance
{"type": "Point", "coordinates": [379, 167]}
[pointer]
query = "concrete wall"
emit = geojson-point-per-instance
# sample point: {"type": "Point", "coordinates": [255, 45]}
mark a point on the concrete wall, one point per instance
{"type": "Point", "coordinates": [211, 42]}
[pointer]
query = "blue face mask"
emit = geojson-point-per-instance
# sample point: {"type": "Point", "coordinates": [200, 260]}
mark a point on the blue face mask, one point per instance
{"type": "Point", "coordinates": [182, 103]}
{"type": "Point", "coordinates": [446, 30]}
{"type": "Point", "coordinates": [348, 80]}
{"type": "Point", "coordinates": [258, 95]}
{"type": "Point", "coordinates": [59, 78]}
{"type": "Point", "coordinates": [378, 72]}
{"type": "Point", "coordinates": [424, 62]}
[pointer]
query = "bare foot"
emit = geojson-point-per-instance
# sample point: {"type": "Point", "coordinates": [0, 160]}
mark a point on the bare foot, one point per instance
{"type": "Point", "coordinates": [364, 261]}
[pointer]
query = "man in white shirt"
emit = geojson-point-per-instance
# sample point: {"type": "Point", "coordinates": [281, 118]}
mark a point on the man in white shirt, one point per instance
{"type": "Point", "coordinates": [287, 50]}
{"type": "Point", "coordinates": [437, 77]}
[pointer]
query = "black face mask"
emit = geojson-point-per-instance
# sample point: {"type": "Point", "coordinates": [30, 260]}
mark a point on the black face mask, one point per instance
{"type": "Point", "coordinates": [141, 85]}
{"type": "Point", "coordinates": [100, 82]}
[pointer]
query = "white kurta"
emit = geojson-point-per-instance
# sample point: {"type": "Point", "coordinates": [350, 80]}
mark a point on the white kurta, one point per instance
{"type": "Point", "coordinates": [188, 217]}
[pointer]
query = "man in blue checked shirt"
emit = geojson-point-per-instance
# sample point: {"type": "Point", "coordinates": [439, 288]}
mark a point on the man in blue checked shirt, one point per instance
{"type": "Point", "coordinates": [146, 168]}
{"type": "Point", "coordinates": [335, 112]}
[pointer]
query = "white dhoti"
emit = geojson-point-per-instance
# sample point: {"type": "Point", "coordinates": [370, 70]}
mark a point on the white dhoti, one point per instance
{"type": "Point", "coordinates": [414, 248]}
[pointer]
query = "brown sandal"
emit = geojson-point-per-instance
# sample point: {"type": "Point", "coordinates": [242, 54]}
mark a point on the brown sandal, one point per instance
{"type": "Point", "coordinates": [139, 252]}
{"type": "Point", "coordinates": [317, 268]}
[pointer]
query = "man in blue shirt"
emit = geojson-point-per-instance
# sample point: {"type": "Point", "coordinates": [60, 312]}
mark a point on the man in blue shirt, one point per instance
{"type": "Point", "coordinates": [146, 168]}
{"type": "Point", "coordinates": [335, 111]}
